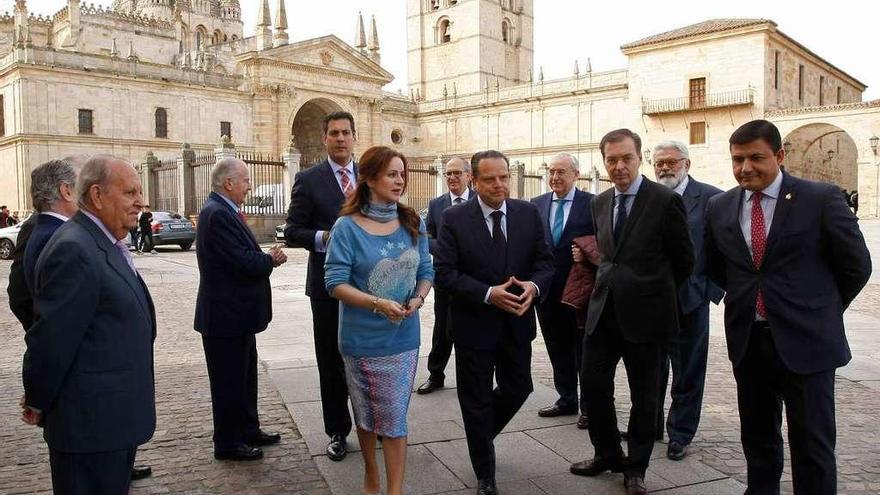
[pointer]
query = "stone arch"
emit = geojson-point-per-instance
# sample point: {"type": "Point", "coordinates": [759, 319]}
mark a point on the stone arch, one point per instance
{"type": "Point", "coordinates": [201, 36]}
{"type": "Point", "coordinates": [823, 152]}
{"type": "Point", "coordinates": [306, 129]}
{"type": "Point", "coordinates": [443, 31]}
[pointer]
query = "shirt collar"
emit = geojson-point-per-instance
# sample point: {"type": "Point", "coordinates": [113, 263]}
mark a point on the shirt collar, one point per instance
{"type": "Point", "coordinates": [464, 196]}
{"type": "Point", "coordinates": [488, 210]}
{"type": "Point", "coordinates": [349, 167]}
{"type": "Point", "coordinates": [633, 188]}
{"type": "Point", "coordinates": [59, 216]}
{"type": "Point", "coordinates": [100, 224]}
{"type": "Point", "coordinates": [234, 206]}
{"type": "Point", "coordinates": [568, 196]}
{"type": "Point", "coordinates": [771, 191]}
{"type": "Point", "coordinates": [682, 185]}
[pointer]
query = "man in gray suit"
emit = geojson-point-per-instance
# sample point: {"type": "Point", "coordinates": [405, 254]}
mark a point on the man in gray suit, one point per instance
{"type": "Point", "coordinates": [88, 369]}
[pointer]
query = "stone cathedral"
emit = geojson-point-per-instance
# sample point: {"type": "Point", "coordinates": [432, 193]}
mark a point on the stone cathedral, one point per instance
{"type": "Point", "coordinates": [151, 75]}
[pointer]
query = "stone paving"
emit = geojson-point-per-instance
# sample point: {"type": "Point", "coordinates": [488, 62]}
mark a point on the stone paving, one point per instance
{"type": "Point", "coordinates": [533, 453]}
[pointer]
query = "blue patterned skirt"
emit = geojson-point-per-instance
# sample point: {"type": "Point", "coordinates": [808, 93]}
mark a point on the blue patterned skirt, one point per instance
{"type": "Point", "coordinates": [380, 388]}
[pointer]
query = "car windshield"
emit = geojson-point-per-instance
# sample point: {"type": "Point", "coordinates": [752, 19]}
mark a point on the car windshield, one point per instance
{"type": "Point", "coordinates": [158, 216]}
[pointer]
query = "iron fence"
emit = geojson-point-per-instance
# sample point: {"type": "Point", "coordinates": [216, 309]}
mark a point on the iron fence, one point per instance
{"type": "Point", "coordinates": [202, 165]}
{"type": "Point", "coordinates": [164, 192]}
{"type": "Point", "coordinates": [421, 186]}
{"type": "Point", "coordinates": [267, 196]}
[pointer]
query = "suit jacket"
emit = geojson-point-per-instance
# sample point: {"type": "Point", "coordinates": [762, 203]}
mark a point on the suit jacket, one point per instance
{"type": "Point", "coordinates": [434, 220]}
{"type": "Point", "coordinates": [642, 272]}
{"type": "Point", "coordinates": [45, 227]}
{"type": "Point", "coordinates": [580, 223]}
{"type": "Point", "coordinates": [235, 298]}
{"type": "Point", "coordinates": [463, 268]}
{"type": "Point", "coordinates": [20, 300]}
{"type": "Point", "coordinates": [697, 289]}
{"type": "Point", "coordinates": [815, 263]}
{"type": "Point", "coordinates": [315, 201]}
{"type": "Point", "coordinates": [89, 360]}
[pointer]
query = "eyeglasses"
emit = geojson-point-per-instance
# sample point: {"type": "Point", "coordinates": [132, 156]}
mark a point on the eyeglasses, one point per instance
{"type": "Point", "coordinates": [453, 173]}
{"type": "Point", "coordinates": [668, 163]}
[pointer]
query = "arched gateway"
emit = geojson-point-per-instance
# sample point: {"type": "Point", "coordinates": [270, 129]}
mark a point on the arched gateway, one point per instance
{"type": "Point", "coordinates": [306, 129]}
{"type": "Point", "coordinates": [822, 152]}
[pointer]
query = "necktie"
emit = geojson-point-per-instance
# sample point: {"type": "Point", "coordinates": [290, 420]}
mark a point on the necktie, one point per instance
{"type": "Point", "coordinates": [347, 186]}
{"type": "Point", "coordinates": [458, 200]}
{"type": "Point", "coordinates": [499, 242]}
{"type": "Point", "coordinates": [123, 250]}
{"type": "Point", "coordinates": [621, 217]}
{"type": "Point", "coordinates": [759, 243]}
{"type": "Point", "coordinates": [558, 221]}
{"type": "Point", "coordinates": [242, 217]}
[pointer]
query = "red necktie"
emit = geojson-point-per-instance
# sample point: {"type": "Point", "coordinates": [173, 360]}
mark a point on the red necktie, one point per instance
{"type": "Point", "coordinates": [347, 187]}
{"type": "Point", "coordinates": [759, 243]}
{"type": "Point", "coordinates": [242, 217]}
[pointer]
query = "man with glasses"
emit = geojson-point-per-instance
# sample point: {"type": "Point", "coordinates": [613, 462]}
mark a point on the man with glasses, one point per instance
{"type": "Point", "coordinates": [458, 180]}
{"type": "Point", "coordinates": [689, 348]}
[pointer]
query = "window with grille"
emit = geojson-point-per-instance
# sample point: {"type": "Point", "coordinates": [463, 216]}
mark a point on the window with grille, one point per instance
{"type": "Point", "coordinates": [2, 118]}
{"type": "Point", "coordinates": [86, 123]}
{"type": "Point", "coordinates": [698, 92]}
{"type": "Point", "coordinates": [226, 129]}
{"type": "Point", "coordinates": [839, 95]}
{"type": "Point", "coordinates": [776, 58]}
{"type": "Point", "coordinates": [161, 123]}
{"type": "Point", "coordinates": [698, 133]}
{"type": "Point", "coordinates": [801, 82]}
{"type": "Point", "coordinates": [821, 90]}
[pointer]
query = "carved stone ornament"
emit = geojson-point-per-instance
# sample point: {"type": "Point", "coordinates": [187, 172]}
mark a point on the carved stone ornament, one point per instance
{"type": "Point", "coordinates": [326, 57]}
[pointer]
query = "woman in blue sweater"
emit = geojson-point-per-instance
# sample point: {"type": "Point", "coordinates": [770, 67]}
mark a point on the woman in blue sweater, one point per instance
{"type": "Point", "coordinates": [379, 268]}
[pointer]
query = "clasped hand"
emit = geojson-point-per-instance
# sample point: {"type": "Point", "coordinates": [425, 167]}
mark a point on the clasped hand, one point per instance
{"type": "Point", "coordinates": [506, 301]}
{"type": "Point", "coordinates": [278, 256]}
{"type": "Point", "coordinates": [396, 312]}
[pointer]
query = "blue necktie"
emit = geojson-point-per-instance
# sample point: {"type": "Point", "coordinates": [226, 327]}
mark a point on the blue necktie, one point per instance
{"type": "Point", "coordinates": [558, 221]}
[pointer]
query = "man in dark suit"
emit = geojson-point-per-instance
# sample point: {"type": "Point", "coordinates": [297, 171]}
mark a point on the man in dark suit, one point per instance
{"type": "Point", "coordinates": [646, 253]}
{"type": "Point", "coordinates": [689, 348]}
{"type": "Point", "coordinates": [20, 300]}
{"type": "Point", "coordinates": [316, 197]}
{"type": "Point", "coordinates": [458, 180]}
{"type": "Point", "coordinates": [791, 257]}
{"type": "Point", "coordinates": [493, 273]}
{"type": "Point", "coordinates": [88, 369]}
{"type": "Point", "coordinates": [565, 214]}
{"type": "Point", "coordinates": [234, 303]}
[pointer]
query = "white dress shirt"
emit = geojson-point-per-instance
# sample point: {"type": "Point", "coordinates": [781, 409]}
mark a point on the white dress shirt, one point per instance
{"type": "Point", "coordinates": [682, 186]}
{"type": "Point", "coordinates": [464, 196]}
{"type": "Point", "coordinates": [768, 205]}
{"type": "Point", "coordinates": [487, 212]}
{"type": "Point", "coordinates": [566, 207]}
{"type": "Point", "coordinates": [628, 196]}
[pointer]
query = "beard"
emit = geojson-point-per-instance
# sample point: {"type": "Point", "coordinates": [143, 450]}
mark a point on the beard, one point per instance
{"type": "Point", "coordinates": [671, 180]}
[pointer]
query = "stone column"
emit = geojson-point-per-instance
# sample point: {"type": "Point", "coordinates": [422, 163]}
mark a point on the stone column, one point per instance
{"type": "Point", "coordinates": [440, 183]}
{"type": "Point", "coordinates": [545, 178]}
{"type": "Point", "coordinates": [291, 158]}
{"type": "Point", "coordinates": [517, 181]}
{"type": "Point", "coordinates": [185, 181]}
{"type": "Point", "coordinates": [594, 184]}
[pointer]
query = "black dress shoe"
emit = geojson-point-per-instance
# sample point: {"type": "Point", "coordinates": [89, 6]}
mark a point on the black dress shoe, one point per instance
{"type": "Point", "coordinates": [554, 410]}
{"type": "Point", "coordinates": [676, 451]}
{"type": "Point", "coordinates": [597, 466]}
{"type": "Point", "coordinates": [140, 472]}
{"type": "Point", "coordinates": [240, 453]}
{"type": "Point", "coordinates": [487, 487]}
{"type": "Point", "coordinates": [336, 449]}
{"type": "Point", "coordinates": [635, 485]}
{"type": "Point", "coordinates": [262, 438]}
{"type": "Point", "coordinates": [429, 386]}
{"type": "Point", "coordinates": [583, 422]}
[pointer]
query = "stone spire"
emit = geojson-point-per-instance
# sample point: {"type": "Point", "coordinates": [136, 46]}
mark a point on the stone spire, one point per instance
{"type": "Point", "coordinates": [281, 36]}
{"type": "Point", "coordinates": [264, 27]}
{"type": "Point", "coordinates": [373, 44]}
{"type": "Point", "coordinates": [114, 52]}
{"type": "Point", "coordinates": [360, 38]}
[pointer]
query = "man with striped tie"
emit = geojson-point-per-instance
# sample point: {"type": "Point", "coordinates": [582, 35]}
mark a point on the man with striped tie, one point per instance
{"type": "Point", "coordinates": [565, 213]}
{"type": "Point", "coordinates": [317, 195]}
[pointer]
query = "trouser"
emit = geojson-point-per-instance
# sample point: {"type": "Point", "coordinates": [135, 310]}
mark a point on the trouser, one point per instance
{"type": "Point", "coordinates": [331, 371]}
{"type": "Point", "coordinates": [102, 473]}
{"type": "Point", "coordinates": [146, 240]}
{"type": "Point", "coordinates": [763, 384]}
{"type": "Point", "coordinates": [486, 411]}
{"type": "Point", "coordinates": [441, 341]}
{"type": "Point", "coordinates": [564, 341]}
{"type": "Point", "coordinates": [232, 370]}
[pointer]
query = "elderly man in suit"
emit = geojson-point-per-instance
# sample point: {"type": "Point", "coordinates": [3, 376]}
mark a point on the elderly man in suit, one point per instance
{"type": "Point", "coordinates": [317, 195]}
{"type": "Point", "coordinates": [791, 257]}
{"type": "Point", "coordinates": [646, 254]}
{"type": "Point", "coordinates": [458, 180]}
{"type": "Point", "coordinates": [565, 214]}
{"type": "Point", "coordinates": [689, 348]}
{"type": "Point", "coordinates": [494, 274]}
{"type": "Point", "coordinates": [88, 369]}
{"type": "Point", "coordinates": [234, 303]}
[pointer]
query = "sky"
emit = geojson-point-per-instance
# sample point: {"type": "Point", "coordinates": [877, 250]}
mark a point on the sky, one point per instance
{"type": "Point", "coordinates": [571, 30]}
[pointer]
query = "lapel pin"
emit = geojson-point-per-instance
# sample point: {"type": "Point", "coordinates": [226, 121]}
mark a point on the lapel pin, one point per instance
{"type": "Point", "coordinates": [788, 196]}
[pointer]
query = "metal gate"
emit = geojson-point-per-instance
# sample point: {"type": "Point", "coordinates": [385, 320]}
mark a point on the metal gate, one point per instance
{"type": "Point", "coordinates": [164, 190]}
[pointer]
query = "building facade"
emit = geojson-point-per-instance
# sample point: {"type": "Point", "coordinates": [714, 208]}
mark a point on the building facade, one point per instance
{"type": "Point", "coordinates": [155, 75]}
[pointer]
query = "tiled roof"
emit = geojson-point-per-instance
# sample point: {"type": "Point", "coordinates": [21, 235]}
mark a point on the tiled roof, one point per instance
{"type": "Point", "coordinates": [705, 27]}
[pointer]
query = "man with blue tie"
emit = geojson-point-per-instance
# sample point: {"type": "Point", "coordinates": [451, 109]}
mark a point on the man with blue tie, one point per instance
{"type": "Point", "coordinates": [315, 200]}
{"type": "Point", "coordinates": [458, 180]}
{"type": "Point", "coordinates": [791, 257]}
{"type": "Point", "coordinates": [565, 213]}
{"type": "Point", "coordinates": [88, 370]}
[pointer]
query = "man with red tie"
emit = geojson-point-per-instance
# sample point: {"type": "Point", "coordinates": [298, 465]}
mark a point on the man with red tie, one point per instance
{"type": "Point", "coordinates": [791, 257]}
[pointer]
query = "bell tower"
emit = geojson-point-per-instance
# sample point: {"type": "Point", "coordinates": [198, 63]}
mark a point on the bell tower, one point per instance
{"type": "Point", "coordinates": [465, 45]}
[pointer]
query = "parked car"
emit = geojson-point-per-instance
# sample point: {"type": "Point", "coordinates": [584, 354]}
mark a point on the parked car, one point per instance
{"type": "Point", "coordinates": [279, 233]}
{"type": "Point", "coordinates": [171, 228]}
{"type": "Point", "coordinates": [8, 238]}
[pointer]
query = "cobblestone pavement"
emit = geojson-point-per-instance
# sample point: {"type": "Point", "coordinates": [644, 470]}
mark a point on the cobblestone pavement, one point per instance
{"type": "Point", "coordinates": [180, 452]}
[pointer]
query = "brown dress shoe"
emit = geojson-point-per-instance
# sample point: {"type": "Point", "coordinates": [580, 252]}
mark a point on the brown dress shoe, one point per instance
{"type": "Point", "coordinates": [597, 466]}
{"type": "Point", "coordinates": [635, 485]}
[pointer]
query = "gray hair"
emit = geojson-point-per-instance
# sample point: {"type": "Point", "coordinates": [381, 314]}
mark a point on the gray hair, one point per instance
{"type": "Point", "coordinates": [566, 156]}
{"type": "Point", "coordinates": [47, 178]}
{"type": "Point", "coordinates": [673, 145]}
{"type": "Point", "coordinates": [96, 171]}
{"type": "Point", "coordinates": [466, 164]}
{"type": "Point", "coordinates": [224, 169]}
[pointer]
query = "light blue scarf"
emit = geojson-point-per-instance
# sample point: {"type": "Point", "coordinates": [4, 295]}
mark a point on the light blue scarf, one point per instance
{"type": "Point", "coordinates": [380, 212]}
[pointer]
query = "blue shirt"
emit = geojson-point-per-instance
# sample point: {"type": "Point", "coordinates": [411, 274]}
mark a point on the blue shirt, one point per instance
{"type": "Point", "coordinates": [386, 266]}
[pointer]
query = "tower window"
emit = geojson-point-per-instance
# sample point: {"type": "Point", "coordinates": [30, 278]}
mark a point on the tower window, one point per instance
{"type": "Point", "coordinates": [161, 123]}
{"type": "Point", "coordinates": [435, 4]}
{"type": "Point", "coordinates": [505, 31]}
{"type": "Point", "coordinates": [444, 31]}
{"type": "Point", "coordinates": [86, 123]}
